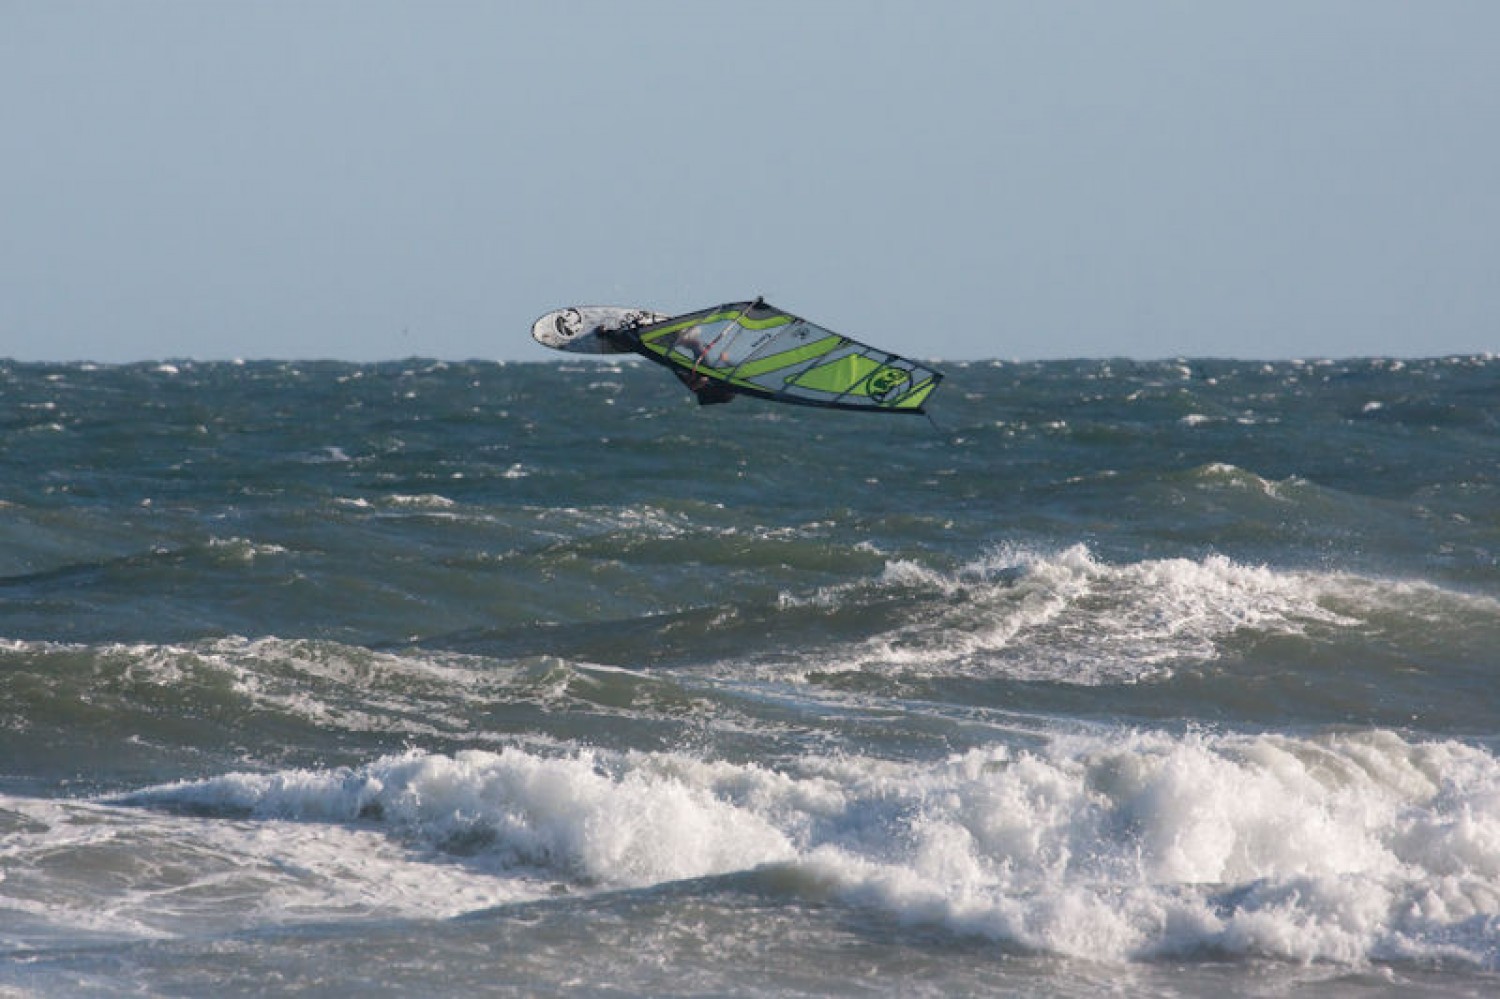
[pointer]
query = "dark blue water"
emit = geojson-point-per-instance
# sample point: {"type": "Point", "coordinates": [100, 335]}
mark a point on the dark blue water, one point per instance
{"type": "Point", "coordinates": [463, 677]}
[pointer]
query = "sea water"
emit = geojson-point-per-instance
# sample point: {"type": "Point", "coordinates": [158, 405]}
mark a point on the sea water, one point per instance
{"type": "Point", "coordinates": [457, 678]}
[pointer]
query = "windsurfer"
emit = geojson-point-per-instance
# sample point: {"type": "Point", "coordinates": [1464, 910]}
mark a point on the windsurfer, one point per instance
{"type": "Point", "coordinates": [709, 391]}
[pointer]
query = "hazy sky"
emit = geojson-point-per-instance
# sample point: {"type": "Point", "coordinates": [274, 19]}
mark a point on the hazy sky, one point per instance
{"type": "Point", "coordinates": [948, 178]}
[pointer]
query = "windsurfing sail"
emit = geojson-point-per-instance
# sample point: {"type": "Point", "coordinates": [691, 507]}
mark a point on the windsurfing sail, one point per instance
{"type": "Point", "coordinates": [751, 348]}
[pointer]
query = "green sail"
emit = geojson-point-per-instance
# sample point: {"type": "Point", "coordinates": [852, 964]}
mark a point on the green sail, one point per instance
{"type": "Point", "coordinates": [752, 348]}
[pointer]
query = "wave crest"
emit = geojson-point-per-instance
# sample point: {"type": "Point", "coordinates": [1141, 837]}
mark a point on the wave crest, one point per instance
{"type": "Point", "coordinates": [1067, 616]}
{"type": "Point", "coordinates": [1114, 844]}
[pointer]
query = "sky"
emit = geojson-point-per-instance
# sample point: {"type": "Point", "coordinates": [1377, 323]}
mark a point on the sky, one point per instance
{"type": "Point", "coordinates": [953, 179]}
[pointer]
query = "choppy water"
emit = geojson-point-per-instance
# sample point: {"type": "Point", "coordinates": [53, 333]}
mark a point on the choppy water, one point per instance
{"type": "Point", "coordinates": [450, 678]}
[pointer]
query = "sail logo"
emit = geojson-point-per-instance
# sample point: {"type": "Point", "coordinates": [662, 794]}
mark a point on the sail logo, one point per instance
{"type": "Point", "coordinates": [885, 381]}
{"type": "Point", "coordinates": [569, 323]}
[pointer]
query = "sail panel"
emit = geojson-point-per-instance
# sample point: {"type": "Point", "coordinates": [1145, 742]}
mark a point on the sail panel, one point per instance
{"type": "Point", "coordinates": [760, 350]}
{"type": "Point", "coordinates": [754, 368]}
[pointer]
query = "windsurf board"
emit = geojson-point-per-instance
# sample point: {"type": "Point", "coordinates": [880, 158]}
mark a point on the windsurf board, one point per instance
{"type": "Point", "coordinates": [577, 329]}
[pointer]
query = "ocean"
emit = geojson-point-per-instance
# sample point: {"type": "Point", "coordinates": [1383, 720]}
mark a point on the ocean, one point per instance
{"type": "Point", "coordinates": [1169, 678]}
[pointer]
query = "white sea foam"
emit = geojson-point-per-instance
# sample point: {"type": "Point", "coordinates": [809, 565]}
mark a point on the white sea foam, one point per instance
{"type": "Point", "coordinates": [1068, 616]}
{"type": "Point", "coordinates": [422, 501]}
{"type": "Point", "coordinates": [243, 550]}
{"type": "Point", "coordinates": [1112, 845]}
{"type": "Point", "coordinates": [73, 867]}
{"type": "Point", "coordinates": [1346, 848]}
{"type": "Point", "coordinates": [339, 686]}
{"type": "Point", "coordinates": [329, 454]}
{"type": "Point", "coordinates": [345, 688]}
{"type": "Point", "coordinates": [1218, 475]}
{"type": "Point", "coordinates": [592, 818]}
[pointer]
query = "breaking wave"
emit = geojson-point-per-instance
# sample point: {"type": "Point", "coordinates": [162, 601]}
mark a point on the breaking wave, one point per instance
{"type": "Point", "coordinates": [1114, 844]}
{"type": "Point", "coordinates": [1068, 616]}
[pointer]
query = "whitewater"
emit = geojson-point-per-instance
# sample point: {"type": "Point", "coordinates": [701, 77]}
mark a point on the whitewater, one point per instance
{"type": "Point", "coordinates": [537, 679]}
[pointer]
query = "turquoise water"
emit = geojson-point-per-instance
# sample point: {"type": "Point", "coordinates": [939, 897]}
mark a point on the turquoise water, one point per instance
{"type": "Point", "coordinates": [453, 677]}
